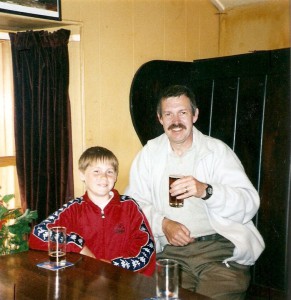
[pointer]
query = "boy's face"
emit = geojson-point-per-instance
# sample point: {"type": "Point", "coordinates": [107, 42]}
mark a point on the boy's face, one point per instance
{"type": "Point", "coordinates": [99, 178]}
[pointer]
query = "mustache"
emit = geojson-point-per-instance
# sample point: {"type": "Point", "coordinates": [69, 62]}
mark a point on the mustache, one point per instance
{"type": "Point", "coordinates": [179, 125]}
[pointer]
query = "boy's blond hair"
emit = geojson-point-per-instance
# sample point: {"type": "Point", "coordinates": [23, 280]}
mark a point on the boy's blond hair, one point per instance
{"type": "Point", "coordinates": [97, 153]}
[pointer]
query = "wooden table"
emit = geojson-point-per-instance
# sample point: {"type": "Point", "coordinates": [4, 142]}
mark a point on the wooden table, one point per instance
{"type": "Point", "coordinates": [89, 278]}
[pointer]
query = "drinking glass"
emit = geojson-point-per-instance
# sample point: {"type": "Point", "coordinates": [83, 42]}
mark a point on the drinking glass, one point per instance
{"type": "Point", "coordinates": [57, 245]}
{"type": "Point", "coordinates": [173, 201]}
{"type": "Point", "coordinates": [167, 279]}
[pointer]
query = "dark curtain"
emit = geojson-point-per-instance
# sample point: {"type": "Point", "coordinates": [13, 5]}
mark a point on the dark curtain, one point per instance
{"type": "Point", "coordinates": [42, 119]}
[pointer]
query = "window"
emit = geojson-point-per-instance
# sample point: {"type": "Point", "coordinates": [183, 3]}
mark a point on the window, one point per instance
{"type": "Point", "coordinates": [8, 176]}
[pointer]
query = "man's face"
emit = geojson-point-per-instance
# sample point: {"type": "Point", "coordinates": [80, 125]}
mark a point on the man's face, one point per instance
{"type": "Point", "coordinates": [177, 119]}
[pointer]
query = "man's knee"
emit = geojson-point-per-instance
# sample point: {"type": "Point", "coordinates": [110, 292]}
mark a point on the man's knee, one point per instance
{"type": "Point", "coordinates": [221, 282]}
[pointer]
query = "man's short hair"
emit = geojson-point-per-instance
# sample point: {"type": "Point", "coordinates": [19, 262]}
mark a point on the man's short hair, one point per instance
{"type": "Point", "coordinates": [176, 91]}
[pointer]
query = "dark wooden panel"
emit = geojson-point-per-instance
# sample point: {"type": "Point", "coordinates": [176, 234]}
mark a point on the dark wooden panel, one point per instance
{"type": "Point", "coordinates": [231, 109]}
{"type": "Point", "coordinates": [244, 100]}
{"type": "Point", "coordinates": [224, 110]}
{"type": "Point", "coordinates": [273, 223]}
{"type": "Point", "coordinates": [217, 116]}
{"type": "Point", "coordinates": [203, 90]}
{"type": "Point", "coordinates": [249, 124]}
{"type": "Point", "coordinates": [147, 84]}
{"type": "Point", "coordinates": [243, 65]}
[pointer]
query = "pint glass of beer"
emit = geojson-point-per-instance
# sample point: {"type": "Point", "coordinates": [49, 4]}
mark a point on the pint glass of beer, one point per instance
{"type": "Point", "coordinates": [57, 245]}
{"type": "Point", "coordinates": [173, 201]}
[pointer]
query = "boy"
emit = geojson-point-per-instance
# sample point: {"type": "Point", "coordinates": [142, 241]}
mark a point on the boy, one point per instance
{"type": "Point", "coordinates": [102, 224]}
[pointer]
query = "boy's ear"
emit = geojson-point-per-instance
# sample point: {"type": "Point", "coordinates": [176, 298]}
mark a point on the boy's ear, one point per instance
{"type": "Point", "coordinates": [82, 176]}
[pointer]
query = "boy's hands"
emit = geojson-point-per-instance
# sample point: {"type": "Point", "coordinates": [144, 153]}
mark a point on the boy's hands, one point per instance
{"type": "Point", "coordinates": [87, 251]}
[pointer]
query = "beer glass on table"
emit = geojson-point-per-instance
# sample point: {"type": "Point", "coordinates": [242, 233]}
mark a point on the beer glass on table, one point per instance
{"type": "Point", "coordinates": [57, 241]}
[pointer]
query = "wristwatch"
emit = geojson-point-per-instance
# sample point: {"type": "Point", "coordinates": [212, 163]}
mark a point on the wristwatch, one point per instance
{"type": "Point", "coordinates": [209, 192]}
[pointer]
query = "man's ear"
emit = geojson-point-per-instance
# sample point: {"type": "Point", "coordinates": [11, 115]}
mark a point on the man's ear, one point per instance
{"type": "Point", "coordinates": [160, 118]}
{"type": "Point", "coordinates": [195, 117]}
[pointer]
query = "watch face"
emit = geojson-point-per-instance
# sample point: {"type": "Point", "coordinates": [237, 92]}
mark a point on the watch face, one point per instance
{"type": "Point", "coordinates": [209, 192]}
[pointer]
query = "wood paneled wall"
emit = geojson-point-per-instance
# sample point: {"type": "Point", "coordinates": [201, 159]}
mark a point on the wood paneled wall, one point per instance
{"type": "Point", "coordinates": [244, 100]}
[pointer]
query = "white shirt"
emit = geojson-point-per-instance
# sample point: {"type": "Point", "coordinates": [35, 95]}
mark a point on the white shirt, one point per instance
{"type": "Point", "coordinates": [230, 209]}
{"type": "Point", "coordinates": [193, 215]}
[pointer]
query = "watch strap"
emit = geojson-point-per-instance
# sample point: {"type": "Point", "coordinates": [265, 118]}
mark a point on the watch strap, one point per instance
{"type": "Point", "coordinates": [209, 192]}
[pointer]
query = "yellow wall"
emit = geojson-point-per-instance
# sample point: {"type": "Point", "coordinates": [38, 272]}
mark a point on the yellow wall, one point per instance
{"type": "Point", "coordinates": [118, 36]}
{"type": "Point", "coordinates": [262, 26]}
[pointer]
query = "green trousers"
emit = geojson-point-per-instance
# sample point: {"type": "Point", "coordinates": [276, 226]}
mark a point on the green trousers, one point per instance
{"type": "Point", "coordinates": [202, 270]}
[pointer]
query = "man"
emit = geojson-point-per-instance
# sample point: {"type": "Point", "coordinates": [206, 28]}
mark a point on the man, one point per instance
{"type": "Point", "coordinates": [212, 236]}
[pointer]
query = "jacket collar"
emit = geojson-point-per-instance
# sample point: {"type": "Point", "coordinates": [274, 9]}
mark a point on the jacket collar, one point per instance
{"type": "Point", "coordinates": [200, 143]}
{"type": "Point", "coordinates": [114, 201]}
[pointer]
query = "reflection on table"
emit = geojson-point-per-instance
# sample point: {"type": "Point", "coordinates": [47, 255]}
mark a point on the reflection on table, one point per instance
{"type": "Point", "coordinates": [89, 278]}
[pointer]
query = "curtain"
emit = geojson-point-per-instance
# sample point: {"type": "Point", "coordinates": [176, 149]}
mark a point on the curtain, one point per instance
{"type": "Point", "coordinates": [43, 140]}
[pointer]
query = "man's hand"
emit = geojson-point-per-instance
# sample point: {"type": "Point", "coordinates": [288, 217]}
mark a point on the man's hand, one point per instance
{"type": "Point", "coordinates": [188, 186]}
{"type": "Point", "coordinates": [176, 233]}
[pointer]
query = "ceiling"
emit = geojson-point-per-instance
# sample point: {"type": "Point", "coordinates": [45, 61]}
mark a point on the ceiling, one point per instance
{"type": "Point", "coordinates": [223, 5]}
{"type": "Point", "coordinates": [11, 22]}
